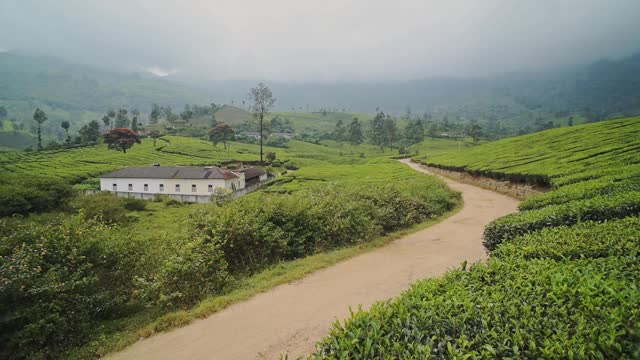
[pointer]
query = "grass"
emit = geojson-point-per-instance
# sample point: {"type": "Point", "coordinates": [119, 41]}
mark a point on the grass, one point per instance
{"type": "Point", "coordinates": [122, 334]}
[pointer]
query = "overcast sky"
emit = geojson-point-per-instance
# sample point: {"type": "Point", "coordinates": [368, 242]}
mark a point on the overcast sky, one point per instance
{"type": "Point", "coordinates": [323, 40]}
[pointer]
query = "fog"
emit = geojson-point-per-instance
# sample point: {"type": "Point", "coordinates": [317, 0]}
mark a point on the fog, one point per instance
{"type": "Point", "coordinates": [328, 40]}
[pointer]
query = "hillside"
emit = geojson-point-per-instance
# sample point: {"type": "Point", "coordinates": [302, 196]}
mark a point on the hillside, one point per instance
{"type": "Point", "coordinates": [79, 93]}
{"type": "Point", "coordinates": [552, 154]}
{"type": "Point", "coordinates": [562, 281]}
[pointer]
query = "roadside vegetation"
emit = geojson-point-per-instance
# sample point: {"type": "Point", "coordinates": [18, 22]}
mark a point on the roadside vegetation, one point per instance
{"type": "Point", "coordinates": [93, 274]}
{"type": "Point", "coordinates": [562, 281]}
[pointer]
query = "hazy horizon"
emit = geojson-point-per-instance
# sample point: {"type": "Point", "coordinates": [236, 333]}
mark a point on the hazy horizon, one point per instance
{"type": "Point", "coordinates": [333, 41]}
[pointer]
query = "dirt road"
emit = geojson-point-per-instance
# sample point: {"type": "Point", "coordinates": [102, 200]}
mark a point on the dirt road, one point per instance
{"type": "Point", "coordinates": [292, 317]}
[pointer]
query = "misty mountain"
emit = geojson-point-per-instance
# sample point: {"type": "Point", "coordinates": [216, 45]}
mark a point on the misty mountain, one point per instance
{"type": "Point", "coordinates": [69, 91]}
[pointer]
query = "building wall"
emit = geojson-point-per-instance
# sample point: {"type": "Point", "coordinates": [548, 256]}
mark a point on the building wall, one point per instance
{"type": "Point", "coordinates": [153, 185]}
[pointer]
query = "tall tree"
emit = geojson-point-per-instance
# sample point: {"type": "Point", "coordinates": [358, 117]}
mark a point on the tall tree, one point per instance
{"type": "Point", "coordinates": [112, 115]}
{"type": "Point", "coordinates": [121, 139]}
{"type": "Point", "coordinates": [340, 131]}
{"type": "Point", "coordinates": [474, 130]}
{"type": "Point", "coordinates": [66, 125]}
{"type": "Point", "coordinates": [106, 120]}
{"type": "Point", "coordinates": [355, 132]}
{"type": "Point", "coordinates": [376, 131]}
{"type": "Point", "coordinates": [154, 115]}
{"type": "Point", "coordinates": [90, 132]}
{"type": "Point", "coordinates": [390, 131]}
{"type": "Point", "coordinates": [39, 117]}
{"type": "Point", "coordinates": [122, 120]}
{"type": "Point", "coordinates": [3, 113]}
{"type": "Point", "coordinates": [414, 132]}
{"type": "Point", "coordinates": [134, 123]}
{"type": "Point", "coordinates": [221, 133]}
{"type": "Point", "coordinates": [262, 102]}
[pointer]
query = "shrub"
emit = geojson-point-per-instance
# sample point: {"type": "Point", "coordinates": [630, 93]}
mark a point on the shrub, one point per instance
{"type": "Point", "coordinates": [580, 191]}
{"type": "Point", "coordinates": [506, 309]}
{"type": "Point", "coordinates": [584, 240]}
{"type": "Point", "coordinates": [196, 270]}
{"type": "Point", "coordinates": [135, 204]}
{"type": "Point", "coordinates": [106, 207]}
{"type": "Point", "coordinates": [26, 195]}
{"type": "Point", "coordinates": [596, 209]}
{"type": "Point", "coordinates": [56, 280]}
{"type": "Point", "coordinates": [172, 202]}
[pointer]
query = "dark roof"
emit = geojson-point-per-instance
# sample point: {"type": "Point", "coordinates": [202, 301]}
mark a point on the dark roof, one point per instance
{"type": "Point", "coordinates": [172, 172]}
{"type": "Point", "coordinates": [250, 173]}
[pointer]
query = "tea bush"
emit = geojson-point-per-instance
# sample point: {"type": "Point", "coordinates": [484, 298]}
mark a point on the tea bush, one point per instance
{"type": "Point", "coordinates": [56, 280]}
{"type": "Point", "coordinates": [257, 231]}
{"type": "Point", "coordinates": [105, 207]}
{"type": "Point", "coordinates": [584, 240]}
{"type": "Point", "coordinates": [582, 190]}
{"type": "Point", "coordinates": [597, 209]}
{"type": "Point", "coordinates": [33, 195]}
{"type": "Point", "coordinates": [537, 309]}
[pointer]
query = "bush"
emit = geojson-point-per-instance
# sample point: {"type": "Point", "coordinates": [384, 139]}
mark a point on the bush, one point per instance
{"type": "Point", "coordinates": [25, 195]}
{"type": "Point", "coordinates": [580, 191]}
{"type": "Point", "coordinates": [256, 231]}
{"type": "Point", "coordinates": [596, 209]}
{"type": "Point", "coordinates": [135, 204]}
{"type": "Point", "coordinates": [106, 207]}
{"type": "Point", "coordinates": [56, 280]}
{"type": "Point", "coordinates": [585, 240]}
{"type": "Point", "coordinates": [196, 270]}
{"type": "Point", "coordinates": [538, 309]}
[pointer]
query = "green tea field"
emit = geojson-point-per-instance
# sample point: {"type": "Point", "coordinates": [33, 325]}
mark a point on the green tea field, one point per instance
{"type": "Point", "coordinates": [563, 280]}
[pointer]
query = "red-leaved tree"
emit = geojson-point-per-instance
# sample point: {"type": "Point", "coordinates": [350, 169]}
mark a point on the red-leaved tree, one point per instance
{"type": "Point", "coordinates": [121, 139]}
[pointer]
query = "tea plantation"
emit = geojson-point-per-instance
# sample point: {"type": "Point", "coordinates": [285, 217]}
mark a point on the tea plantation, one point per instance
{"type": "Point", "coordinates": [563, 280]}
{"type": "Point", "coordinates": [88, 275]}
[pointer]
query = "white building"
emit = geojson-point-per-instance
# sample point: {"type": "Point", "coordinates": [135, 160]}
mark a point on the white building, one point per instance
{"type": "Point", "coordinates": [193, 181]}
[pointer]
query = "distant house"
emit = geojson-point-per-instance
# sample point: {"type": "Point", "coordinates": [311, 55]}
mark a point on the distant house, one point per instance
{"type": "Point", "coordinates": [174, 180]}
{"type": "Point", "coordinates": [284, 135]}
{"type": "Point", "coordinates": [253, 176]}
{"type": "Point", "coordinates": [255, 135]}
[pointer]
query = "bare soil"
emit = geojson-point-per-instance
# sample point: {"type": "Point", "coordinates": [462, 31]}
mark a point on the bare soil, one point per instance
{"type": "Point", "coordinates": [292, 317]}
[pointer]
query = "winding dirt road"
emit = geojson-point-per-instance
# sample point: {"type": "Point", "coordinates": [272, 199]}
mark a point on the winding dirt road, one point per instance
{"type": "Point", "coordinates": [291, 318]}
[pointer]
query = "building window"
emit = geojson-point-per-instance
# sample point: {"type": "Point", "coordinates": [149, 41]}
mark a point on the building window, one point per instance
{"type": "Point", "coordinates": [233, 186]}
{"type": "Point", "coordinates": [115, 187]}
{"type": "Point", "coordinates": [177, 187]}
{"type": "Point", "coordinates": [193, 188]}
{"type": "Point", "coordinates": [130, 187]}
{"type": "Point", "coordinates": [161, 187]}
{"type": "Point", "coordinates": [146, 187]}
{"type": "Point", "coordinates": [210, 188]}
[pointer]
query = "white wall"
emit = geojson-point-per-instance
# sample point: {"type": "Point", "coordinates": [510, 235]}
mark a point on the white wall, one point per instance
{"type": "Point", "coordinates": [202, 185]}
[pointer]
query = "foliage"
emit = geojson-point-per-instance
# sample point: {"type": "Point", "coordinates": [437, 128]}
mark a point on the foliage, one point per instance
{"type": "Point", "coordinates": [596, 209]}
{"type": "Point", "coordinates": [121, 139]}
{"type": "Point", "coordinates": [277, 141]}
{"type": "Point", "coordinates": [562, 280]}
{"type": "Point", "coordinates": [90, 132]}
{"type": "Point", "coordinates": [33, 195]}
{"type": "Point", "coordinates": [585, 240]}
{"type": "Point", "coordinates": [550, 155]}
{"type": "Point", "coordinates": [538, 309]}
{"type": "Point", "coordinates": [107, 208]}
{"type": "Point", "coordinates": [56, 279]}
{"type": "Point", "coordinates": [221, 133]}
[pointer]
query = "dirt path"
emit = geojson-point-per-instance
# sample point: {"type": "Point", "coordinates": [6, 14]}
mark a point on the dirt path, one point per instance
{"type": "Point", "coordinates": [293, 317]}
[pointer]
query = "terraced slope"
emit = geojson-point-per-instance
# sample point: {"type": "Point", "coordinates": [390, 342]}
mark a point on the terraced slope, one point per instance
{"type": "Point", "coordinates": [563, 280]}
{"type": "Point", "coordinates": [571, 153]}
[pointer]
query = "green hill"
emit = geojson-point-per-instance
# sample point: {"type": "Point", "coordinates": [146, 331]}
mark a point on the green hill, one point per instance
{"type": "Point", "coordinates": [562, 281]}
{"type": "Point", "coordinates": [551, 155]}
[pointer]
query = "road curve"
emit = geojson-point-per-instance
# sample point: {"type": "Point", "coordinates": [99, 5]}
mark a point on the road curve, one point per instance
{"type": "Point", "coordinates": [292, 317]}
